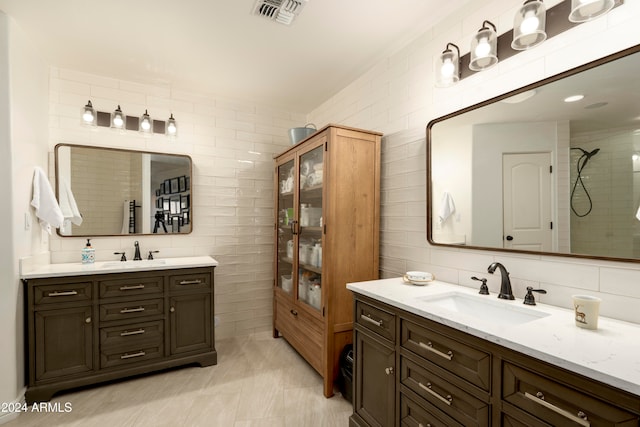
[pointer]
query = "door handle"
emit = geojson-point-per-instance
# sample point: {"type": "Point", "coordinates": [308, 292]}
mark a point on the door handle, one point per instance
{"type": "Point", "coordinates": [509, 238]}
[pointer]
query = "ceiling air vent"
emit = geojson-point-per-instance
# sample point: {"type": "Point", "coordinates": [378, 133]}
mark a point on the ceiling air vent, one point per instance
{"type": "Point", "coordinates": [282, 11]}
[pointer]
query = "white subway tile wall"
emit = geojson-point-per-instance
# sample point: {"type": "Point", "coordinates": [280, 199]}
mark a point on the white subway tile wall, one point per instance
{"type": "Point", "coordinates": [397, 97]}
{"type": "Point", "coordinates": [232, 144]}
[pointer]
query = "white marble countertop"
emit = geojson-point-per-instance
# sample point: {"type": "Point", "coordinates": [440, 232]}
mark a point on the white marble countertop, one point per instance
{"type": "Point", "coordinates": [99, 267]}
{"type": "Point", "coordinates": [610, 354]}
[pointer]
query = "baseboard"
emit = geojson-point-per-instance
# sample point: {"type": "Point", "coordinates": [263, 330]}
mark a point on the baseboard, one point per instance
{"type": "Point", "coordinates": [7, 413]}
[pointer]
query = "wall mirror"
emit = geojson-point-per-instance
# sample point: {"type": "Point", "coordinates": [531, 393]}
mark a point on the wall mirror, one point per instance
{"type": "Point", "coordinates": [112, 192]}
{"type": "Point", "coordinates": [537, 171]}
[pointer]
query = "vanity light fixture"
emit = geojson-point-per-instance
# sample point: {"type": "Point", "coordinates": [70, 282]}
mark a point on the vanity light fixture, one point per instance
{"type": "Point", "coordinates": [172, 127]}
{"type": "Point", "coordinates": [145, 123]}
{"type": "Point", "coordinates": [484, 48]}
{"type": "Point", "coordinates": [448, 67]}
{"type": "Point", "coordinates": [529, 25]}
{"type": "Point", "coordinates": [118, 119]}
{"type": "Point", "coordinates": [89, 114]}
{"type": "Point", "coordinates": [588, 10]}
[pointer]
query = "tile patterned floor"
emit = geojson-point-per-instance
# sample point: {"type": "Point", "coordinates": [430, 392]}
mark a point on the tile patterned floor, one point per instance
{"type": "Point", "coordinates": [258, 381]}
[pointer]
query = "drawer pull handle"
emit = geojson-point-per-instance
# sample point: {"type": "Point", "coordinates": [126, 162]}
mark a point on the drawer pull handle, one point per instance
{"type": "Point", "coordinates": [132, 310]}
{"type": "Point", "coordinates": [87, 320]}
{"type": "Point", "coordinates": [422, 425]}
{"type": "Point", "coordinates": [378, 323]}
{"type": "Point", "coordinates": [129, 356]}
{"type": "Point", "coordinates": [389, 370]}
{"type": "Point", "coordinates": [62, 293]}
{"type": "Point", "coordinates": [129, 288]}
{"type": "Point", "coordinates": [428, 346]}
{"type": "Point", "coordinates": [581, 418]}
{"type": "Point", "coordinates": [191, 282]}
{"type": "Point", "coordinates": [128, 333]}
{"type": "Point", "coordinates": [447, 400]}
{"type": "Point", "coordinates": [295, 313]}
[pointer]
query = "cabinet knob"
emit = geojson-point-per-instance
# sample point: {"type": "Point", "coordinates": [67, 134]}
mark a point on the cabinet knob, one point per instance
{"type": "Point", "coordinates": [389, 370]}
{"type": "Point", "coordinates": [87, 320]}
{"type": "Point", "coordinates": [172, 309]}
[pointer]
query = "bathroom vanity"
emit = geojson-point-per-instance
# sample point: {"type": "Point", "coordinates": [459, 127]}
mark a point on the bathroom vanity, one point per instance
{"type": "Point", "coordinates": [97, 322]}
{"type": "Point", "coordinates": [442, 355]}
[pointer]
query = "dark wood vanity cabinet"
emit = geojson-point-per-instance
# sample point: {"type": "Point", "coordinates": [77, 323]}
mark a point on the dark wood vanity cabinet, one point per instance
{"type": "Point", "coordinates": [88, 329]}
{"type": "Point", "coordinates": [411, 371]}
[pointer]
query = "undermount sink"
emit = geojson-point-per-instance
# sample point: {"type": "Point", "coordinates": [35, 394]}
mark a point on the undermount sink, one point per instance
{"type": "Point", "coordinates": [486, 308]}
{"type": "Point", "coordinates": [132, 264]}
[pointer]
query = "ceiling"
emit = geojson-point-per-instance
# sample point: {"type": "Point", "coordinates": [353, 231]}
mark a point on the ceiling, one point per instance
{"type": "Point", "coordinates": [218, 47]}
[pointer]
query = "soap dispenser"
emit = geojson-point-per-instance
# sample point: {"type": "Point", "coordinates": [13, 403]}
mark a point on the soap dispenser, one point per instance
{"type": "Point", "coordinates": [88, 253]}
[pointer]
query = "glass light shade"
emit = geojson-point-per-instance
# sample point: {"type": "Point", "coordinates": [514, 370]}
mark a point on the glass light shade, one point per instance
{"type": "Point", "coordinates": [529, 25]}
{"type": "Point", "coordinates": [448, 67]}
{"type": "Point", "coordinates": [587, 10]}
{"type": "Point", "coordinates": [484, 48]}
{"type": "Point", "coordinates": [89, 114]}
{"type": "Point", "coordinates": [172, 127]}
{"type": "Point", "coordinates": [145, 123]}
{"type": "Point", "coordinates": [118, 119]}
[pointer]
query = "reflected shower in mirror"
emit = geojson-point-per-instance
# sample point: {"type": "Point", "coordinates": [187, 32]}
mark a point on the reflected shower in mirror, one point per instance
{"type": "Point", "coordinates": [121, 192]}
{"type": "Point", "coordinates": [551, 168]}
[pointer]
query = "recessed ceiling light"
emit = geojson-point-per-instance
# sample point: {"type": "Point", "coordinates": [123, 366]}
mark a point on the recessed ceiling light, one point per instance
{"type": "Point", "coordinates": [573, 98]}
{"type": "Point", "coordinates": [521, 97]}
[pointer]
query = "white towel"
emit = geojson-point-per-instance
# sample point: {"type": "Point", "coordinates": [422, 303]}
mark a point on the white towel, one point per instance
{"type": "Point", "coordinates": [638, 214]}
{"type": "Point", "coordinates": [44, 200]}
{"type": "Point", "coordinates": [68, 204]}
{"type": "Point", "coordinates": [125, 217]}
{"type": "Point", "coordinates": [447, 207]}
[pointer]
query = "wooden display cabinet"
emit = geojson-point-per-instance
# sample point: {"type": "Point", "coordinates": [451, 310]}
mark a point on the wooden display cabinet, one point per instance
{"type": "Point", "coordinates": [326, 234]}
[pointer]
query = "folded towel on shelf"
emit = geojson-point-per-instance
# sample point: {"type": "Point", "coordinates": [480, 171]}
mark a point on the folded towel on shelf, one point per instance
{"type": "Point", "coordinates": [44, 200]}
{"type": "Point", "coordinates": [68, 204]}
{"type": "Point", "coordinates": [447, 207]}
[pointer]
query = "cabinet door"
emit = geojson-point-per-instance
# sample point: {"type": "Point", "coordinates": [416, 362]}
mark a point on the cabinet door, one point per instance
{"type": "Point", "coordinates": [63, 342]}
{"type": "Point", "coordinates": [374, 378]}
{"type": "Point", "coordinates": [310, 223]}
{"type": "Point", "coordinates": [285, 225]}
{"type": "Point", "coordinates": [190, 320]}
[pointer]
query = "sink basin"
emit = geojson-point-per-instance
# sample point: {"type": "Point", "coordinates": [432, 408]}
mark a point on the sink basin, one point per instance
{"type": "Point", "coordinates": [486, 308]}
{"type": "Point", "coordinates": [132, 264]}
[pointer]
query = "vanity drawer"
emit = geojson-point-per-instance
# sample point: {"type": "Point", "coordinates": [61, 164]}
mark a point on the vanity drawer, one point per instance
{"type": "Point", "coordinates": [132, 334]}
{"type": "Point", "coordinates": [414, 415]}
{"type": "Point", "coordinates": [452, 354]}
{"type": "Point", "coordinates": [118, 357]}
{"type": "Point", "coordinates": [440, 393]}
{"type": "Point", "coordinates": [188, 282]}
{"type": "Point", "coordinates": [133, 285]}
{"type": "Point", "coordinates": [131, 309]}
{"type": "Point", "coordinates": [559, 404]}
{"type": "Point", "coordinates": [376, 320]}
{"type": "Point", "coordinates": [61, 292]}
{"type": "Point", "coordinates": [303, 331]}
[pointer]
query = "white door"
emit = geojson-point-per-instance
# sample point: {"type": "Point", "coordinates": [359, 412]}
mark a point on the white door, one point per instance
{"type": "Point", "coordinates": [527, 201]}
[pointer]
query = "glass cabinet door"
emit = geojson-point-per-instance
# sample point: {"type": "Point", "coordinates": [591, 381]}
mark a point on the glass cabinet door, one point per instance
{"type": "Point", "coordinates": [286, 227]}
{"type": "Point", "coordinates": [310, 227]}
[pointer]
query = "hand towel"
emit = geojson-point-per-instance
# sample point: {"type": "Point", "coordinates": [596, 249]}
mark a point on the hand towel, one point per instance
{"type": "Point", "coordinates": [638, 214]}
{"type": "Point", "coordinates": [125, 217]}
{"type": "Point", "coordinates": [44, 200]}
{"type": "Point", "coordinates": [447, 207]}
{"type": "Point", "coordinates": [68, 204]}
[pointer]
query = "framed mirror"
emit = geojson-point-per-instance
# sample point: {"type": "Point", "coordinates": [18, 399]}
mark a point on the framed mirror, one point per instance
{"type": "Point", "coordinates": [114, 192]}
{"type": "Point", "coordinates": [551, 168]}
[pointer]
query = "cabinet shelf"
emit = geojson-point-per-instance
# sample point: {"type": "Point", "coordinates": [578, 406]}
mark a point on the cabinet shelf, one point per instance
{"type": "Point", "coordinates": [311, 268]}
{"type": "Point", "coordinates": [313, 190]}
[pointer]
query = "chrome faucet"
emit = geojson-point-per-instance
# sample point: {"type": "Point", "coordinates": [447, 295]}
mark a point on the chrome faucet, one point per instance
{"type": "Point", "coordinates": [136, 256]}
{"type": "Point", "coordinates": [505, 286]}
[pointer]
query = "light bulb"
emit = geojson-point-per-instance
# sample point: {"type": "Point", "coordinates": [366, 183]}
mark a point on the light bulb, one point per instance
{"type": "Point", "coordinates": [146, 124]}
{"type": "Point", "coordinates": [587, 1]}
{"type": "Point", "coordinates": [530, 23]}
{"type": "Point", "coordinates": [87, 116]}
{"type": "Point", "coordinates": [483, 48]}
{"type": "Point", "coordinates": [117, 121]}
{"type": "Point", "coordinates": [171, 128]}
{"type": "Point", "coordinates": [635, 157]}
{"type": "Point", "coordinates": [447, 68]}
